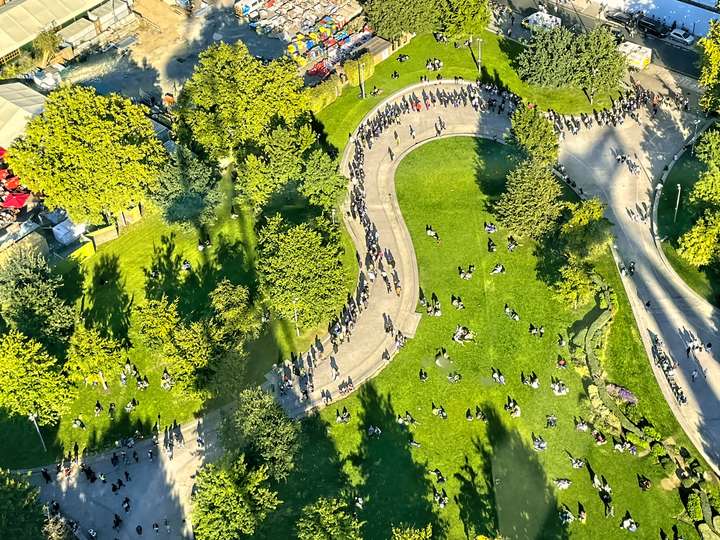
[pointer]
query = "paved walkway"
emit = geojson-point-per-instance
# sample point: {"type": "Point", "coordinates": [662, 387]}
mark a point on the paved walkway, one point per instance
{"type": "Point", "coordinates": [162, 488]}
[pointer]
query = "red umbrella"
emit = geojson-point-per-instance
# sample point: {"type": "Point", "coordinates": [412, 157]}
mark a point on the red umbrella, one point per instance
{"type": "Point", "coordinates": [16, 200]}
{"type": "Point", "coordinates": [12, 182]}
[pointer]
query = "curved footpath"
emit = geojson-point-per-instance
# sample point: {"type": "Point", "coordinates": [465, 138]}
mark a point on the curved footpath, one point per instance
{"type": "Point", "coordinates": [162, 488]}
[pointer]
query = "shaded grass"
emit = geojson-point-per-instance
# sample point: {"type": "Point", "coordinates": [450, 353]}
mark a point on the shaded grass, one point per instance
{"type": "Point", "coordinates": [107, 284]}
{"type": "Point", "coordinates": [498, 53]}
{"type": "Point", "coordinates": [704, 281]}
{"type": "Point", "coordinates": [495, 482]}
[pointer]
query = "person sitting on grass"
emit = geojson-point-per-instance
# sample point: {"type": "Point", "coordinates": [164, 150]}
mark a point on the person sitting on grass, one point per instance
{"type": "Point", "coordinates": [539, 443]}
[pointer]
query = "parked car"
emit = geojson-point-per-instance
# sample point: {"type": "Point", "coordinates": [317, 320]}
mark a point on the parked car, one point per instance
{"type": "Point", "coordinates": [652, 27]}
{"type": "Point", "coordinates": [681, 36]}
{"type": "Point", "coordinates": [618, 33]}
{"type": "Point", "coordinates": [621, 17]}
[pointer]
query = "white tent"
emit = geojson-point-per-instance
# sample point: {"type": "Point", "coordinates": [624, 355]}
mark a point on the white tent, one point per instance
{"type": "Point", "coordinates": [541, 20]}
{"type": "Point", "coordinates": [18, 104]}
{"type": "Point", "coordinates": [22, 20]}
{"type": "Point", "coordinates": [66, 232]}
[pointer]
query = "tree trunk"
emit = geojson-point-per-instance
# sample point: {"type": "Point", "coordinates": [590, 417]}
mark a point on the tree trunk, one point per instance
{"type": "Point", "coordinates": [102, 379]}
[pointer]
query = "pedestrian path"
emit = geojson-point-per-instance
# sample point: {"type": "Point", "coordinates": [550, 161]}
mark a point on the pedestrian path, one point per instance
{"type": "Point", "coordinates": [371, 347]}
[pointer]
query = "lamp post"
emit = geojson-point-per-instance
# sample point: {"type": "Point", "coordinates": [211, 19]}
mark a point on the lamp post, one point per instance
{"type": "Point", "coordinates": [33, 419]}
{"type": "Point", "coordinates": [696, 122]}
{"type": "Point", "coordinates": [677, 203]}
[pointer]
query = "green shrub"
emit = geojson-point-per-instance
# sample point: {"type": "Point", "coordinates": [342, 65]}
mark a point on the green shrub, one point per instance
{"type": "Point", "coordinates": [693, 507]}
{"type": "Point", "coordinates": [638, 441]}
{"type": "Point", "coordinates": [325, 93]}
{"type": "Point", "coordinates": [652, 433]}
{"type": "Point", "coordinates": [352, 69]}
{"type": "Point", "coordinates": [657, 450]}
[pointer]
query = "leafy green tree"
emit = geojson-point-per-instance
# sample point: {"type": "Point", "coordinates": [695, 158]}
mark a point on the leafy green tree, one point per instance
{"type": "Point", "coordinates": [31, 383]}
{"type": "Point", "coordinates": [188, 189]}
{"type": "Point", "coordinates": [531, 203]}
{"type": "Point", "coordinates": [586, 233]}
{"type": "Point", "coordinates": [21, 515]}
{"type": "Point", "coordinates": [328, 519]}
{"type": "Point", "coordinates": [694, 507]}
{"type": "Point", "coordinates": [156, 320]}
{"type": "Point", "coordinates": [550, 59]}
{"type": "Point", "coordinates": [601, 66]}
{"type": "Point", "coordinates": [232, 308]}
{"type": "Point", "coordinates": [393, 19]}
{"type": "Point", "coordinates": [231, 501]}
{"type": "Point", "coordinates": [260, 429]}
{"type": "Point", "coordinates": [92, 358]}
{"type": "Point", "coordinates": [576, 285]}
{"type": "Point", "coordinates": [58, 528]}
{"type": "Point", "coordinates": [463, 18]}
{"type": "Point", "coordinates": [535, 135]}
{"type": "Point", "coordinates": [29, 300]}
{"type": "Point", "coordinates": [699, 246]}
{"type": "Point", "coordinates": [45, 45]}
{"type": "Point", "coordinates": [281, 162]}
{"type": "Point", "coordinates": [710, 68]}
{"type": "Point", "coordinates": [363, 66]}
{"type": "Point", "coordinates": [232, 99]}
{"type": "Point", "coordinates": [322, 183]}
{"type": "Point", "coordinates": [92, 155]}
{"type": "Point", "coordinates": [706, 191]}
{"type": "Point", "coordinates": [301, 276]}
{"type": "Point", "coordinates": [412, 533]}
{"type": "Point", "coordinates": [190, 353]}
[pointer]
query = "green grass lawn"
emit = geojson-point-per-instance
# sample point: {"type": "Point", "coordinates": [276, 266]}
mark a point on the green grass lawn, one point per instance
{"type": "Point", "coordinates": [704, 281]}
{"type": "Point", "coordinates": [106, 286]}
{"type": "Point", "coordinates": [496, 482]}
{"type": "Point", "coordinates": [341, 117]}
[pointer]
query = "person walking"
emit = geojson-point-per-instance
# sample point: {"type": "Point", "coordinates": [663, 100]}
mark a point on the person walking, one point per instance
{"type": "Point", "coordinates": [694, 374]}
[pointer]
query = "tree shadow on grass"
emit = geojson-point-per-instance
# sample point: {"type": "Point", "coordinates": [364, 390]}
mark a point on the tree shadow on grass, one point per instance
{"type": "Point", "coordinates": [476, 497]}
{"type": "Point", "coordinates": [395, 487]}
{"type": "Point", "coordinates": [318, 473]}
{"type": "Point", "coordinates": [163, 276]}
{"type": "Point", "coordinates": [106, 304]}
{"type": "Point", "coordinates": [525, 504]}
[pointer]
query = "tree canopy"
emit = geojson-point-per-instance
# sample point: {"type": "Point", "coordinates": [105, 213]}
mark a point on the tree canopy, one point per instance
{"type": "Point", "coordinates": [280, 160]}
{"type": "Point", "coordinates": [232, 98]}
{"type": "Point", "coordinates": [328, 519]}
{"type": "Point", "coordinates": [301, 275]}
{"type": "Point", "coordinates": [463, 18]}
{"type": "Point", "coordinates": [710, 68]}
{"type": "Point", "coordinates": [534, 134]}
{"type": "Point", "coordinates": [322, 183]}
{"type": "Point", "coordinates": [531, 204]}
{"type": "Point", "coordinates": [231, 500]}
{"type": "Point", "coordinates": [21, 515]}
{"type": "Point", "coordinates": [575, 285]}
{"type": "Point", "coordinates": [92, 358]}
{"type": "Point", "coordinates": [233, 310]}
{"type": "Point", "coordinates": [412, 533]}
{"type": "Point", "coordinates": [392, 19]}
{"type": "Point", "coordinates": [31, 382]}
{"type": "Point", "coordinates": [586, 233]}
{"type": "Point", "coordinates": [260, 428]}
{"type": "Point", "coordinates": [29, 300]}
{"type": "Point", "coordinates": [700, 245]}
{"type": "Point", "coordinates": [90, 154]}
{"type": "Point", "coordinates": [558, 58]}
{"type": "Point", "coordinates": [188, 189]}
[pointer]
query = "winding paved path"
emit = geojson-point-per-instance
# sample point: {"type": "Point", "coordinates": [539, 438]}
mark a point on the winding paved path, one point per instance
{"type": "Point", "coordinates": [162, 488]}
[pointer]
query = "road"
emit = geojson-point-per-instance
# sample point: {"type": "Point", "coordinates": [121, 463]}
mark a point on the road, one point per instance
{"type": "Point", "coordinates": [582, 16]}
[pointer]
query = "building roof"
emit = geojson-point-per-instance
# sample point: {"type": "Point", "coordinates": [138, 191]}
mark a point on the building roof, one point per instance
{"type": "Point", "coordinates": [18, 104]}
{"type": "Point", "coordinates": [22, 20]}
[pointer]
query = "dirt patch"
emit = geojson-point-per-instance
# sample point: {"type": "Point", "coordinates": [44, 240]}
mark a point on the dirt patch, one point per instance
{"type": "Point", "coordinates": [670, 483]}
